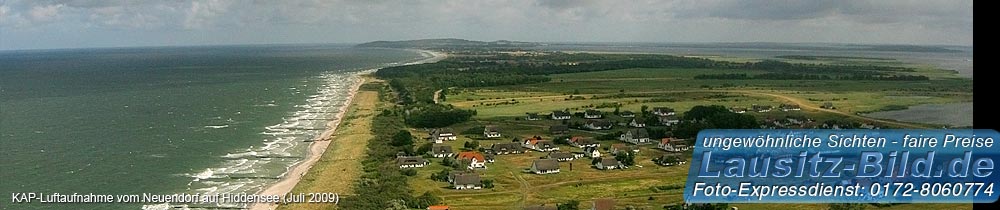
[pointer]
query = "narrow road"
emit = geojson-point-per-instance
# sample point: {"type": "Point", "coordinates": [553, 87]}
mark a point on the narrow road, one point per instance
{"type": "Point", "coordinates": [437, 94]}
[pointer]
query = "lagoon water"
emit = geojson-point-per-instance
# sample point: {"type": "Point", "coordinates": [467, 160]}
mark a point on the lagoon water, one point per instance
{"type": "Point", "coordinates": [167, 120]}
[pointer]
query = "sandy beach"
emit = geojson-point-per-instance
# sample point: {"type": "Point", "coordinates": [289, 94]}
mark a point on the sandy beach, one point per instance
{"type": "Point", "coordinates": [320, 143]}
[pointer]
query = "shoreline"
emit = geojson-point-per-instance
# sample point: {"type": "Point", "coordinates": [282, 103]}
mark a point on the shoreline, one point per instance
{"type": "Point", "coordinates": [319, 144]}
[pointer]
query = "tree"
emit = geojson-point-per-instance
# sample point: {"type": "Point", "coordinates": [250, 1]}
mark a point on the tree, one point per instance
{"type": "Point", "coordinates": [402, 138]}
{"type": "Point", "coordinates": [424, 148]}
{"type": "Point", "coordinates": [471, 145]}
{"type": "Point", "coordinates": [441, 176]}
{"type": "Point", "coordinates": [424, 200]}
{"type": "Point", "coordinates": [616, 111]}
{"type": "Point", "coordinates": [626, 158]}
{"type": "Point", "coordinates": [644, 109]}
{"type": "Point", "coordinates": [847, 206]}
{"type": "Point", "coordinates": [488, 183]}
{"type": "Point", "coordinates": [410, 172]}
{"type": "Point", "coordinates": [569, 205]}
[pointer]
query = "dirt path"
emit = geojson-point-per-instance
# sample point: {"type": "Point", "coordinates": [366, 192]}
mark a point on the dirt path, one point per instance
{"type": "Point", "coordinates": [437, 94]}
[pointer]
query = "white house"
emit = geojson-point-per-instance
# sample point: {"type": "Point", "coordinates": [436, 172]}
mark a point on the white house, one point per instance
{"type": "Point", "coordinates": [598, 124]}
{"type": "Point", "coordinates": [561, 115]}
{"type": "Point", "coordinates": [410, 162]}
{"type": "Point", "coordinates": [583, 142]}
{"type": "Point", "coordinates": [663, 111]}
{"type": "Point", "coordinates": [443, 134]}
{"type": "Point", "coordinates": [673, 145]}
{"type": "Point", "coordinates": [637, 123]}
{"type": "Point", "coordinates": [476, 160]}
{"type": "Point", "coordinates": [465, 181]}
{"type": "Point", "coordinates": [441, 151]}
{"type": "Point", "coordinates": [608, 164]}
{"type": "Point", "coordinates": [491, 131]}
{"type": "Point", "coordinates": [545, 166]}
{"type": "Point", "coordinates": [593, 152]}
{"type": "Point", "coordinates": [540, 145]}
{"type": "Point", "coordinates": [635, 136]}
{"type": "Point", "coordinates": [561, 156]}
{"type": "Point", "coordinates": [592, 114]}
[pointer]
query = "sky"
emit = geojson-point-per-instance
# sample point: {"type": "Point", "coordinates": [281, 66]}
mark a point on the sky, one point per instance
{"type": "Point", "coordinates": [50, 24]}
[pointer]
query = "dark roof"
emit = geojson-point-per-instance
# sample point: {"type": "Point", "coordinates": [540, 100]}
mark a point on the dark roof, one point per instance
{"type": "Point", "coordinates": [492, 128]}
{"type": "Point", "coordinates": [546, 164]}
{"type": "Point", "coordinates": [409, 160]}
{"type": "Point", "coordinates": [532, 114]}
{"type": "Point", "coordinates": [789, 106]}
{"type": "Point", "coordinates": [609, 162]}
{"type": "Point", "coordinates": [467, 178]}
{"type": "Point", "coordinates": [544, 144]}
{"type": "Point", "coordinates": [627, 113]}
{"type": "Point", "coordinates": [441, 149]}
{"type": "Point", "coordinates": [560, 113]}
{"type": "Point", "coordinates": [639, 133]}
{"type": "Point", "coordinates": [604, 204]}
{"type": "Point", "coordinates": [506, 147]}
{"type": "Point", "coordinates": [639, 120]}
{"type": "Point", "coordinates": [663, 109]}
{"type": "Point", "coordinates": [560, 155]}
{"type": "Point", "coordinates": [558, 128]}
{"type": "Point", "coordinates": [591, 149]}
{"type": "Point", "coordinates": [582, 141]}
{"type": "Point", "coordinates": [599, 123]}
{"type": "Point", "coordinates": [593, 112]}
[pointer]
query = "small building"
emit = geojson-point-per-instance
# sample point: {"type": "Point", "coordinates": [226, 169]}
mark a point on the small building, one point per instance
{"type": "Point", "coordinates": [561, 115]}
{"type": "Point", "coordinates": [545, 166]}
{"type": "Point", "coordinates": [627, 114]}
{"type": "Point", "coordinates": [442, 150]}
{"type": "Point", "coordinates": [411, 162]}
{"type": "Point", "coordinates": [559, 129]}
{"type": "Point", "coordinates": [740, 110]}
{"type": "Point", "coordinates": [561, 156]}
{"type": "Point", "coordinates": [673, 145]}
{"type": "Point", "coordinates": [670, 159]}
{"type": "Point", "coordinates": [789, 107]}
{"type": "Point", "coordinates": [664, 111]}
{"type": "Point", "coordinates": [603, 204]}
{"type": "Point", "coordinates": [540, 145]}
{"type": "Point", "coordinates": [635, 136]}
{"type": "Point", "coordinates": [598, 124]}
{"type": "Point", "coordinates": [592, 114]}
{"type": "Point", "coordinates": [608, 164]}
{"type": "Point", "coordinates": [592, 152]}
{"type": "Point", "coordinates": [828, 105]}
{"type": "Point", "coordinates": [476, 159]}
{"type": "Point", "coordinates": [532, 116]}
{"type": "Point", "coordinates": [465, 181]}
{"type": "Point", "coordinates": [761, 108]}
{"type": "Point", "coordinates": [443, 134]}
{"type": "Point", "coordinates": [506, 148]}
{"type": "Point", "coordinates": [669, 120]}
{"type": "Point", "coordinates": [490, 158]}
{"type": "Point", "coordinates": [618, 148]}
{"type": "Point", "coordinates": [491, 131]}
{"type": "Point", "coordinates": [582, 142]}
{"type": "Point", "coordinates": [637, 123]}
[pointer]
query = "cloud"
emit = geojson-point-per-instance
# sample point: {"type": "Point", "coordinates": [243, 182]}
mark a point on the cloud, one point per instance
{"type": "Point", "coordinates": [202, 13]}
{"type": "Point", "coordinates": [44, 13]}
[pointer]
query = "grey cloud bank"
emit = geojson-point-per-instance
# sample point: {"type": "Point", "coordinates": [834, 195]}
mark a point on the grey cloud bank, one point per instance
{"type": "Point", "coordinates": [116, 23]}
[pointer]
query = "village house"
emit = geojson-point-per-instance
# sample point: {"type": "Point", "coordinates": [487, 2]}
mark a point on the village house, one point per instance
{"type": "Point", "coordinates": [410, 162]}
{"type": "Point", "coordinates": [603, 204]}
{"type": "Point", "coordinates": [532, 116]}
{"type": "Point", "coordinates": [559, 129]}
{"type": "Point", "coordinates": [582, 142]}
{"type": "Point", "coordinates": [670, 159]}
{"type": "Point", "coordinates": [738, 110]}
{"type": "Point", "coordinates": [663, 111]}
{"type": "Point", "coordinates": [608, 164]}
{"type": "Point", "coordinates": [637, 123]}
{"type": "Point", "coordinates": [561, 115]}
{"type": "Point", "coordinates": [561, 156]}
{"type": "Point", "coordinates": [545, 166]}
{"type": "Point", "coordinates": [669, 120]}
{"type": "Point", "coordinates": [476, 160]}
{"type": "Point", "coordinates": [506, 148]}
{"type": "Point", "coordinates": [827, 105]}
{"type": "Point", "coordinates": [592, 114]}
{"type": "Point", "coordinates": [465, 181]}
{"type": "Point", "coordinates": [673, 145]}
{"type": "Point", "coordinates": [490, 158]}
{"type": "Point", "coordinates": [627, 114]}
{"type": "Point", "coordinates": [789, 107]}
{"type": "Point", "coordinates": [761, 108]}
{"type": "Point", "coordinates": [491, 131]}
{"type": "Point", "coordinates": [635, 136]}
{"type": "Point", "coordinates": [597, 124]}
{"type": "Point", "coordinates": [540, 145]}
{"type": "Point", "coordinates": [618, 148]}
{"type": "Point", "coordinates": [592, 152]}
{"type": "Point", "coordinates": [443, 134]}
{"type": "Point", "coordinates": [441, 150]}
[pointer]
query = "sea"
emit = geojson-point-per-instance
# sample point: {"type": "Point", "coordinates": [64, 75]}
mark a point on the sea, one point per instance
{"type": "Point", "coordinates": [166, 120]}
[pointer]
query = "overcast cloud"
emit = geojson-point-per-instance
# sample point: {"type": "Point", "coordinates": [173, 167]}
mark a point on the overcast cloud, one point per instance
{"type": "Point", "coordinates": [26, 24]}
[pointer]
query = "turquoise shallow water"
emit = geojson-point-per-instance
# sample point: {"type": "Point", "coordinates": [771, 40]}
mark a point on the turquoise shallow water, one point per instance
{"type": "Point", "coordinates": [166, 120]}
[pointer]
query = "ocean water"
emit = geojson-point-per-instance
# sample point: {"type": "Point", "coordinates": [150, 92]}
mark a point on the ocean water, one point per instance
{"type": "Point", "coordinates": [211, 119]}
